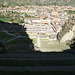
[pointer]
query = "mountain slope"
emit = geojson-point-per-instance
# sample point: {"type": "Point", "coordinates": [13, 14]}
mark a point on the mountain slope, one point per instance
{"type": "Point", "coordinates": [57, 2]}
{"type": "Point", "coordinates": [37, 2]}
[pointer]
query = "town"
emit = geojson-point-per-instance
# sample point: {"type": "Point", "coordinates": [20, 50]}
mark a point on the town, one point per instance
{"type": "Point", "coordinates": [45, 20]}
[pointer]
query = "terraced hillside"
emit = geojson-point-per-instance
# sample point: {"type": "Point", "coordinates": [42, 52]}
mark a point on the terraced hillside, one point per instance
{"type": "Point", "coordinates": [52, 46]}
{"type": "Point", "coordinates": [21, 57]}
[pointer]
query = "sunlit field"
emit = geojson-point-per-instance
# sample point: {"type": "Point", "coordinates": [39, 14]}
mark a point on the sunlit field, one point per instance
{"type": "Point", "coordinates": [50, 45]}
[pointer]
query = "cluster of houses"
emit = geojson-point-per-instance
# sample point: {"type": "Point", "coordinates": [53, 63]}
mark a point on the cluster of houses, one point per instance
{"type": "Point", "coordinates": [45, 20]}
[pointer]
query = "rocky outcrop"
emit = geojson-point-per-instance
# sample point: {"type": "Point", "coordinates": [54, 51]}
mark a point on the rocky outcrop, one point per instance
{"type": "Point", "coordinates": [37, 2]}
{"type": "Point", "coordinates": [68, 30]}
{"type": "Point", "coordinates": [69, 35]}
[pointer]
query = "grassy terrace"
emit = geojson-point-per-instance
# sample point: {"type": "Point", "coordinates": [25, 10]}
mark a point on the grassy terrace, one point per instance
{"type": "Point", "coordinates": [4, 19]}
{"type": "Point", "coordinates": [34, 40]}
{"type": "Point", "coordinates": [52, 45]}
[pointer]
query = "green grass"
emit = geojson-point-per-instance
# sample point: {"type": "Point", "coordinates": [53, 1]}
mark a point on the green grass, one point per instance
{"type": "Point", "coordinates": [34, 40]}
{"type": "Point", "coordinates": [4, 19]}
{"type": "Point", "coordinates": [52, 45]}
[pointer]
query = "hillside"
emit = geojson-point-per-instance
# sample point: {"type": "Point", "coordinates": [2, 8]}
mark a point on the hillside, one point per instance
{"type": "Point", "coordinates": [37, 2]}
{"type": "Point", "coordinates": [68, 30]}
{"type": "Point", "coordinates": [19, 59]}
{"type": "Point", "coordinates": [55, 2]}
{"type": "Point", "coordinates": [14, 2]}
